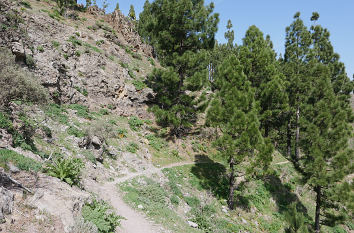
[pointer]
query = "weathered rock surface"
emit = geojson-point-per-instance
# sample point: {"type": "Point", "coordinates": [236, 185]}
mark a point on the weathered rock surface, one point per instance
{"type": "Point", "coordinates": [58, 199]}
{"type": "Point", "coordinates": [6, 203]}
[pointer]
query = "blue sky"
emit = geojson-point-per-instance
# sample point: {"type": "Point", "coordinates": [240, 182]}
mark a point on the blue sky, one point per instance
{"type": "Point", "coordinates": [272, 17]}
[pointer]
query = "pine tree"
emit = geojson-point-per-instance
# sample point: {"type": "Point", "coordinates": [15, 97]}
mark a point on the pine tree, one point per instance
{"type": "Point", "coordinates": [233, 111]}
{"type": "Point", "coordinates": [132, 13]}
{"type": "Point", "coordinates": [327, 158]}
{"type": "Point", "coordinates": [180, 31]}
{"type": "Point", "coordinates": [323, 52]}
{"type": "Point", "coordinates": [263, 70]}
{"type": "Point", "coordinates": [297, 48]}
{"type": "Point", "coordinates": [230, 35]}
{"type": "Point", "coordinates": [117, 7]}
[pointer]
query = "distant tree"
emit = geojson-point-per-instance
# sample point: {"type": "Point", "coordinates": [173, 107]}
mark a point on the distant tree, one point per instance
{"type": "Point", "coordinates": [234, 112]}
{"type": "Point", "coordinates": [64, 4]}
{"type": "Point", "coordinates": [117, 7]}
{"type": "Point", "coordinates": [104, 5]}
{"type": "Point", "coordinates": [229, 34]}
{"type": "Point", "coordinates": [180, 31]}
{"type": "Point", "coordinates": [88, 3]}
{"type": "Point", "coordinates": [132, 13]}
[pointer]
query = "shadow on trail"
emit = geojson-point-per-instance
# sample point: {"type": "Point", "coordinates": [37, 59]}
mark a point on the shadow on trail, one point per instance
{"type": "Point", "coordinates": [211, 176]}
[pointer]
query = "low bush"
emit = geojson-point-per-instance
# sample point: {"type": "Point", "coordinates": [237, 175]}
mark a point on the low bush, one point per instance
{"type": "Point", "coordinates": [18, 84]}
{"type": "Point", "coordinates": [139, 85]}
{"type": "Point", "coordinates": [81, 110]}
{"type": "Point", "coordinates": [101, 215]}
{"type": "Point", "coordinates": [132, 147]}
{"type": "Point", "coordinates": [155, 142]}
{"type": "Point", "coordinates": [57, 113]}
{"type": "Point", "coordinates": [67, 170]}
{"type": "Point", "coordinates": [20, 161]}
{"type": "Point", "coordinates": [122, 133]}
{"type": "Point", "coordinates": [135, 123]}
{"type": "Point", "coordinates": [72, 130]}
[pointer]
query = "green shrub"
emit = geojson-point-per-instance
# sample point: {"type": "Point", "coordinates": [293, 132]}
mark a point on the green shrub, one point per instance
{"type": "Point", "coordinates": [25, 4]}
{"type": "Point", "coordinates": [122, 133]}
{"type": "Point", "coordinates": [155, 142]}
{"type": "Point", "coordinates": [104, 111]}
{"type": "Point", "coordinates": [55, 44]}
{"type": "Point", "coordinates": [74, 41]}
{"type": "Point", "coordinates": [174, 200]}
{"type": "Point", "coordinates": [30, 61]}
{"type": "Point", "coordinates": [99, 42]}
{"type": "Point", "coordinates": [94, 48]}
{"type": "Point", "coordinates": [20, 161]}
{"type": "Point", "coordinates": [137, 56]}
{"type": "Point", "coordinates": [57, 113]}
{"type": "Point", "coordinates": [124, 65]}
{"type": "Point", "coordinates": [152, 62]}
{"type": "Point", "coordinates": [78, 53]}
{"type": "Point", "coordinates": [40, 49]}
{"type": "Point", "coordinates": [81, 111]}
{"type": "Point", "coordinates": [47, 131]}
{"type": "Point", "coordinates": [139, 85]}
{"type": "Point", "coordinates": [135, 123]}
{"type": "Point", "coordinates": [67, 170]}
{"type": "Point", "coordinates": [75, 132]}
{"type": "Point", "coordinates": [132, 147]}
{"type": "Point", "coordinates": [101, 215]}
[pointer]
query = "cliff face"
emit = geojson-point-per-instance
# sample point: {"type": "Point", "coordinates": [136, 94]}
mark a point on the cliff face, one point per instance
{"type": "Point", "coordinates": [88, 58]}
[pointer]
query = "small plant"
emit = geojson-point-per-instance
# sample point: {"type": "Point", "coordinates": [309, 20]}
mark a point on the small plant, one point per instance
{"type": "Point", "coordinates": [135, 123]}
{"type": "Point", "coordinates": [122, 133]}
{"type": "Point", "coordinates": [66, 56]}
{"type": "Point", "coordinates": [139, 85]}
{"type": "Point", "coordinates": [77, 34]}
{"type": "Point", "coordinates": [26, 4]}
{"type": "Point", "coordinates": [132, 147]}
{"type": "Point", "coordinates": [104, 111]}
{"type": "Point", "coordinates": [155, 142]}
{"type": "Point", "coordinates": [30, 61]}
{"type": "Point", "coordinates": [55, 44]}
{"type": "Point", "coordinates": [67, 170]}
{"type": "Point", "coordinates": [152, 62]}
{"type": "Point", "coordinates": [74, 41]}
{"type": "Point", "coordinates": [58, 113]}
{"type": "Point", "coordinates": [124, 65]}
{"type": "Point", "coordinates": [40, 49]}
{"type": "Point", "coordinates": [78, 53]}
{"type": "Point", "coordinates": [75, 132]}
{"type": "Point", "coordinates": [81, 111]}
{"type": "Point", "coordinates": [101, 215]}
{"type": "Point", "coordinates": [137, 56]}
{"type": "Point", "coordinates": [99, 42]}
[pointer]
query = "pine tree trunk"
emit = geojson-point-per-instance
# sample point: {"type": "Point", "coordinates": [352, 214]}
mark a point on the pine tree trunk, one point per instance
{"type": "Point", "coordinates": [230, 201]}
{"type": "Point", "coordinates": [297, 135]}
{"type": "Point", "coordinates": [288, 141]}
{"type": "Point", "coordinates": [318, 209]}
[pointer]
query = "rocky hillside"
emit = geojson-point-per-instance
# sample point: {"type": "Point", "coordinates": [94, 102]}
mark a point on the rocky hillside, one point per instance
{"type": "Point", "coordinates": [89, 58]}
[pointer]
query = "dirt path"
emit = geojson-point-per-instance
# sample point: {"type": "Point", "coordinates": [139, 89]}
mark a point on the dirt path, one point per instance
{"type": "Point", "coordinates": [135, 222]}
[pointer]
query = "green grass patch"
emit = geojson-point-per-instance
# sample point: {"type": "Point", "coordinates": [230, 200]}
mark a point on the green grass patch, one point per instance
{"type": "Point", "coordinates": [132, 147]}
{"type": "Point", "coordinates": [20, 161]}
{"type": "Point", "coordinates": [135, 123]}
{"type": "Point", "coordinates": [81, 111]}
{"type": "Point", "coordinates": [139, 85]}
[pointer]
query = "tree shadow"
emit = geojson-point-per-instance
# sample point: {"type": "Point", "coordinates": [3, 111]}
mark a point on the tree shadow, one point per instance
{"type": "Point", "coordinates": [283, 195]}
{"type": "Point", "coordinates": [212, 176]}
